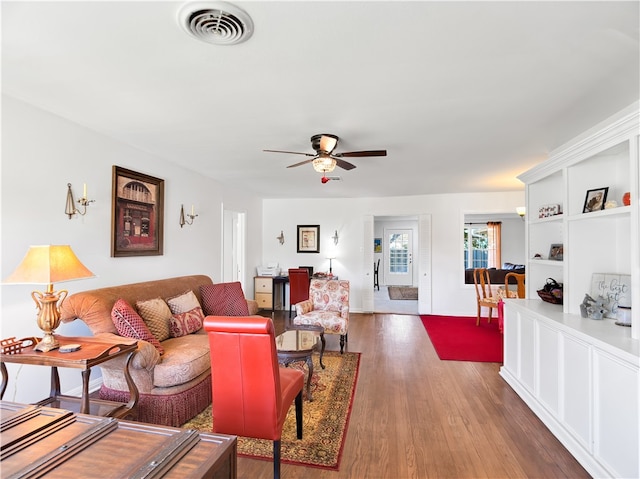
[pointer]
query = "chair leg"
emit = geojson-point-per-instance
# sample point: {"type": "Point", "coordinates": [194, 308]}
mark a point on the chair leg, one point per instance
{"type": "Point", "coordinates": [298, 402]}
{"type": "Point", "coordinates": [342, 338]}
{"type": "Point", "coordinates": [276, 459]}
{"type": "Point", "coordinates": [478, 318]}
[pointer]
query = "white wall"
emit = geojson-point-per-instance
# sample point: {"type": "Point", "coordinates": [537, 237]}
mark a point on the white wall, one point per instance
{"type": "Point", "coordinates": [450, 294]}
{"type": "Point", "coordinates": [41, 153]}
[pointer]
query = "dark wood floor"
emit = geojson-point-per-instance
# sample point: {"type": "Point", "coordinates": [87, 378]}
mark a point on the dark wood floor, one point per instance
{"type": "Point", "coordinates": [415, 416]}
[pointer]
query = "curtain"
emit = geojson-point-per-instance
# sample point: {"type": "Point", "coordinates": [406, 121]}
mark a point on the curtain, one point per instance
{"type": "Point", "coordinates": [494, 232]}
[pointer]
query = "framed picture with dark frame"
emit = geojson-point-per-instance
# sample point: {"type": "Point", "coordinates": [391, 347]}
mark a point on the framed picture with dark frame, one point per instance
{"type": "Point", "coordinates": [556, 252]}
{"type": "Point", "coordinates": [137, 214]}
{"type": "Point", "coordinates": [308, 238]}
{"type": "Point", "coordinates": [595, 200]}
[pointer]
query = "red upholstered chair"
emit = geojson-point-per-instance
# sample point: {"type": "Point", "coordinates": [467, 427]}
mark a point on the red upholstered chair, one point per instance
{"type": "Point", "coordinates": [252, 393]}
{"type": "Point", "coordinates": [298, 286]}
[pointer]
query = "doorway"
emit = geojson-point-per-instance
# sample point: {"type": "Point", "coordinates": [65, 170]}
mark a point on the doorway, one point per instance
{"type": "Point", "coordinates": [398, 257]}
{"type": "Point", "coordinates": [233, 247]}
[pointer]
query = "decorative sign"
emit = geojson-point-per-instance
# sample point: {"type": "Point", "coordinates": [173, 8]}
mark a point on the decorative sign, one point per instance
{"type": "Point", "coordinates": [615, 288]}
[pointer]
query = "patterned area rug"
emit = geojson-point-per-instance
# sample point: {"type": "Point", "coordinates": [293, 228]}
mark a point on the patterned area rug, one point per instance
{"type": "Point", "coordinates": [325, 419]}
{"type": "Point", "coordinates": [403, 292]}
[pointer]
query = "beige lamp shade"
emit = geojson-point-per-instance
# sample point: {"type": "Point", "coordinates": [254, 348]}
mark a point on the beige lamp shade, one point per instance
{"type": "Point", "coordinates": [49, 264]}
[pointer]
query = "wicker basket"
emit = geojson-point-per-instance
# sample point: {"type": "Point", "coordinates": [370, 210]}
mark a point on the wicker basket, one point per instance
{"type": "Point", "coordinates": [549, 297]}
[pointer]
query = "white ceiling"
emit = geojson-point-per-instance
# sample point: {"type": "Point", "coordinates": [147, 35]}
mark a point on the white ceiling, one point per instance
{"type": "Point", "coordinates": [463, 95]}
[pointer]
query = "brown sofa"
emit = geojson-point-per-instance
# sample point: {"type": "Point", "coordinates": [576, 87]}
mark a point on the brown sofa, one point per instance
{"type": "Point", "coordinates": [173, 387]}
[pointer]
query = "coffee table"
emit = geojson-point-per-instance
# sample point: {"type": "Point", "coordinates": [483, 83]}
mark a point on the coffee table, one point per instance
{"type": "Point", "coordinates": [298, 345]}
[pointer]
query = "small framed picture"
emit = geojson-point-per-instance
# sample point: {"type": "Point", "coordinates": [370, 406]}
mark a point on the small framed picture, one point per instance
{"type": "Point", "coordinates": [377, 245]}
{"type": "Point", "coordinates": [308, 238]}
{"type": "Point", "coordinates": [555, 252]}
{"type": "Point", "coordinates": [595, 200]}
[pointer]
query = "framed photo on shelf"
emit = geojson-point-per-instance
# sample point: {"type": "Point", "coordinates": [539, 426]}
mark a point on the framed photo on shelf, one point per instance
{"type": "Point", "coordinates": [595, 200]}
{"type": "Point", "coordinates": [308, 238]}
{"type": "Point", "coordinates": [555, 252]}
{"type": "Point", "coordinates": [137, 214]}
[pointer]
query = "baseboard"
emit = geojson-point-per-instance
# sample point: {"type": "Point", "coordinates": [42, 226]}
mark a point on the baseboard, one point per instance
{"type": "Point", "coordinates": [94, 385]}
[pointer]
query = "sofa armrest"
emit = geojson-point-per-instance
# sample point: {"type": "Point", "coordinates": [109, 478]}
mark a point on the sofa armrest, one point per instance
{"type": "Point", "coordinates": [146, 357]}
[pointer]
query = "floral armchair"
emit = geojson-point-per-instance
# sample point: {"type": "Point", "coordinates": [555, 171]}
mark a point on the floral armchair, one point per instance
{"type": "Point", "coordinates": [327, 306]}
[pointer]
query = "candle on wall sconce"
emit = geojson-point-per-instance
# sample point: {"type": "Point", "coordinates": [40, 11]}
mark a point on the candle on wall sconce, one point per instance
{"type": "Point", "coordinates": [281, 237]}
{"type": "Point", "coordinates": [335, 238]}
{"type": "Point", "coordinates": [192, 216]}
{"type": "Point", "coordinates": [70, 208]}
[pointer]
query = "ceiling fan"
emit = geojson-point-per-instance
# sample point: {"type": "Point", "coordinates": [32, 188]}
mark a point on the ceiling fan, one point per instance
{"type": "Point", "coordinates": [324, 159]}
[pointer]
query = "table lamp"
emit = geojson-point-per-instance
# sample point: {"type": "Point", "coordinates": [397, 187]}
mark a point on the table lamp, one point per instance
{"type": "Point", "coordinates": [47, 265]}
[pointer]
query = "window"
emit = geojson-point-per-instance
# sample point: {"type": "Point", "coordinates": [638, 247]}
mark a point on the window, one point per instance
{"type": "Point", "coordinates": [399, 253]}
{"type": "Point", "coordinates": [482, 245]}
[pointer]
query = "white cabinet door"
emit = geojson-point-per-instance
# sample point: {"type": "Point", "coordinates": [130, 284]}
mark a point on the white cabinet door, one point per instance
{"type": "Point", "coordinates": [616, 414]}
{"type": "Point", "coordinates": [548, 365]}
{"type": "Point", "coordinates": [576, 396]}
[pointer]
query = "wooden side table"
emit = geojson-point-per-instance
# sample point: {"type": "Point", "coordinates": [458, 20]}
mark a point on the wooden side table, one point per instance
{"type": "Point", "coordinates": [93, 351]}
{"type": "Point", "coordinates": [298, 345]}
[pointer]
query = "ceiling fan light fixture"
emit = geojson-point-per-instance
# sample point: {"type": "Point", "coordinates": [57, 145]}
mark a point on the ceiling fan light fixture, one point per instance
{"type": "Point", "coordinates": [324, 164]}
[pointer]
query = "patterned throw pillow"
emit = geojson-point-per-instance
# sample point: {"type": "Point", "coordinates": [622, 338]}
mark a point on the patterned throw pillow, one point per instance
{"type": "Point", "coordinates": [183, 302]}
{"type": "Point", "coordinates": [187, 322]}
{"type": "Point", "coordinates": [156, 315]}
{"type": "Point", "coordinates": [224, 299]}
{"type": "Point", "coordinates": [130, 325]}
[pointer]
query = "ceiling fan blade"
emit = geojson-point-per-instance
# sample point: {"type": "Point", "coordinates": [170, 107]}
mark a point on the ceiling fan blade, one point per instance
{"type": "Point", "coordinates": [328, 143]}
{"type": "Point", "coordinates": [344, 164]}
{"type": "Point", "coordinates": [291, 152]}
{"type": "Point", "coordinates": [301, 163]}
{"type": "Point", "coordinates": [358, 154]}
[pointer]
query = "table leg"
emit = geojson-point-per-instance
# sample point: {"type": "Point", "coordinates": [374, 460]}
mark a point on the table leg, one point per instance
{"type": "Point", "coordinates": [310, 365]}
{"type": "Point", "coordinates": [5, 379]}
{"type": "Point", "coordinates": [132, 405]}
{"type": "Point", "coordinates": [322, 350]}
{"type": "Point", "coordinates": [85, 409]}
{"type": "Point", "coordinates": [55, 382]}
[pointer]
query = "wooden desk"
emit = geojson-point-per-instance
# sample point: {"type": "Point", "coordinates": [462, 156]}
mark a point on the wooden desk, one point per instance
{"type": "Point", "coordinates": [47, 442]}
{"type": "Point", "coordinates": [92, 352]}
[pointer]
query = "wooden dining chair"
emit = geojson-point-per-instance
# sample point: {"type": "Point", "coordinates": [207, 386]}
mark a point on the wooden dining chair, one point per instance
{"type": "Point", "coordinates": [519, 280]}
{"type": "Point", "coordinates": [376, 275]}
{"type": "Point", "coordinates": [484, 295]}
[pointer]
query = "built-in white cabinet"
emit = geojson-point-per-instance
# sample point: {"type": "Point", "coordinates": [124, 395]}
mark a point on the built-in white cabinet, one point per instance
{"type": "Point", "coordinates": [581, 376]}
{"type": "Point", "coordinates": [581, 381]}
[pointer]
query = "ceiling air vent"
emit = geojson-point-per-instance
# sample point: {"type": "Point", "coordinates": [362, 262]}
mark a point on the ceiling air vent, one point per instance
{"type": "Point", "coordinates": [216, 22]}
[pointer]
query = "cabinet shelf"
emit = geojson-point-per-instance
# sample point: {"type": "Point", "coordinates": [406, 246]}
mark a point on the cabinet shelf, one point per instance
{"type": "Point", "coordinates": [545, 262]}
{"type": "Point", "coordinates": [548, 219]}
{"type": "Point", "coordinates": [613, 212]}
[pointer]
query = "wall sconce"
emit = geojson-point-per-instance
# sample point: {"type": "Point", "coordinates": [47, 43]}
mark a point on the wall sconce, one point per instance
{"type": "Point", "coordinates": [281, 237]}
{"type": "Point", "coordinates": [191, 216]}
{"type": "Point", "coordinates": [71, 209]}
{"type": "Point", "coordinates": [521, 210]}
{"type": "Point", "coordinates": [335, 238]}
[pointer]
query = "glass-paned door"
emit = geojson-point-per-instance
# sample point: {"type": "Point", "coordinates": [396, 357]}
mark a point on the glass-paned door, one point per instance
{"type": "Point", "coordinates": [399, 262]}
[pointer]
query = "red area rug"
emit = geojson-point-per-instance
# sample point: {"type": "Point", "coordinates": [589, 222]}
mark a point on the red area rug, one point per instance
{"type": "Point", "coordinates": [457, 338]}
